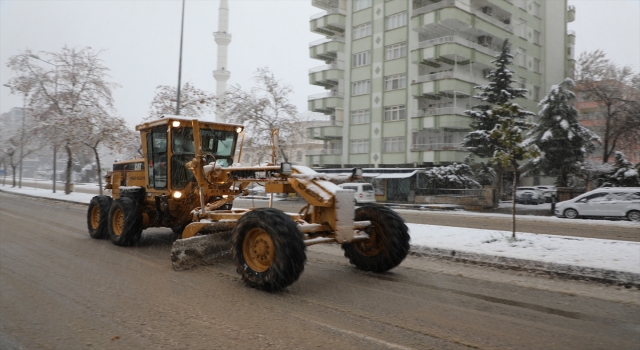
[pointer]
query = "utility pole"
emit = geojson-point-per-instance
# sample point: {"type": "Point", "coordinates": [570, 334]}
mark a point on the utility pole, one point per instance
{"type": "Point", "coordinates": [180, 61]}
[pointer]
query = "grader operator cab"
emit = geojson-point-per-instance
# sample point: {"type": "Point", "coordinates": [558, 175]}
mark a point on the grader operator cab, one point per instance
{"type": "Point", "coordinates": [187, 181]}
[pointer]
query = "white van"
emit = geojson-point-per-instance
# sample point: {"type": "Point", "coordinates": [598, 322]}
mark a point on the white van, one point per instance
{"type": "Point", "coordinates": [604, 202]}
{"type": "Point", "coordinates": [364, 192]}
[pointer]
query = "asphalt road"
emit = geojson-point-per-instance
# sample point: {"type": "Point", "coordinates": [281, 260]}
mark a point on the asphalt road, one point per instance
{"type": "Point", "coordinates": [60, 289]}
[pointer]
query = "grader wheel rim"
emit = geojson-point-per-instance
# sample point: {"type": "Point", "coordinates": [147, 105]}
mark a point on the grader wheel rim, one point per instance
{"type": "Point", "coordinates": [95, 217]}
{"type": "Point", "coordinates": [118, 222]}
{"type": "Point", "coordinates": [370, 247]}
{"type": "Point", "coordinates": [258, 250]}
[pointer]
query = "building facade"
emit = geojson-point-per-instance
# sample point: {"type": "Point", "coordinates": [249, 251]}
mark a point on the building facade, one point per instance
{"type": "Point", "coordinates": [399, 74]}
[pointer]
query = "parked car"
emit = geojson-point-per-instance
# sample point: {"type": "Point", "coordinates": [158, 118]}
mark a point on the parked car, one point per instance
{"type": "Point", "coordinates": [364, 192]}
{"type": "Point", "coordinates": [548, 192]}
{"type": "Point", "coordinates": [603, 202]}
{"type": "Point", "coordinates": [529, 195]}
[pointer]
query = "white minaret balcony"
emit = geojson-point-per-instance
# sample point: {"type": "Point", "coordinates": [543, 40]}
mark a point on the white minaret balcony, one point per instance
{"type": "Point", "coordinates": [222, 38]}
{"type": "Point", "coordinates": [221, 75]}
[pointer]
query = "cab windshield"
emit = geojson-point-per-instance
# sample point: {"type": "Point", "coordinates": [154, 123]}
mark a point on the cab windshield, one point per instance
{"type": "Point", "coordinates": [216, 144]}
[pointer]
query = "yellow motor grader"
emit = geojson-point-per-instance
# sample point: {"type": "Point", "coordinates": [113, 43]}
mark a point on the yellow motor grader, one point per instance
{"type": "Point", "coordinates": [187, 180]}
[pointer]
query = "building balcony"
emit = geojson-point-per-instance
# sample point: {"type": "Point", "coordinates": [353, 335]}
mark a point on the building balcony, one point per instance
{"type": "Point", "coordinates": [458, 75]}
{"type": "Point", "coordinates": [325, 159]}
{"type": "Point", "coordinates": [429, 112]}
{"type": "Point", "coordinates": [451, 50]}
{"type": "Point", "coordinates": [571, 13]}
{"type": "Point", "coordinates": [326, 49]}
{"type": "Point", "coordinates": [330, 22]}
{"type": "Point", "coordinates": [327, 76]}
{"type": "Point", "coordinates": [445, 88]}
{"type": "Point", "coordinates": [325, 4]}
{"type": "Point", "coordinates": [437, 147]}
{"type": "Point", "coordinates": [326, 102]}
{"type": "Point", "coordinates": [333, 131]}
{"type": "Point", "coordinates": [322, 152]}
{"type": "Point", "coordinates": [454, 12]}
{"type": "Point", "coordinates": [571, 37]}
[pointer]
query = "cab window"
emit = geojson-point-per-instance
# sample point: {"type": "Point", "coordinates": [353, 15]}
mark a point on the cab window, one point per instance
{"type": "Point", "coordinates": [157, 157]}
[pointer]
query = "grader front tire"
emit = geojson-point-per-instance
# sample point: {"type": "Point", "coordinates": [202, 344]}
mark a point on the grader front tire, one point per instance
{"type": "Point", "coordinates": [388, 242]}
{"type": "Point", "coordinates": [125, 222]}
{"type": "Point", "coordinates": [97, 217]}
{"type": "Point", "coordinates": [268, 249]}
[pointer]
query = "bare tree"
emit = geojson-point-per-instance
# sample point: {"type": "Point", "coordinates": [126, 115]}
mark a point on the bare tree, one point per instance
{"type": "Point", "coordinates": [66, 95]}
{"type": "Point", "coordinates": [262, 110]}
{"type": "Point", "coordinates": [614, 91]}
{"type": "Point", "coordinates": [106, 131]}
{"type": "Point", "coordinates": [194, 103]}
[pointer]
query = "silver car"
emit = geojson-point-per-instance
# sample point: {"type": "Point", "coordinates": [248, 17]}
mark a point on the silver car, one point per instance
{"type": "Point", "coordinates": [603, 202]}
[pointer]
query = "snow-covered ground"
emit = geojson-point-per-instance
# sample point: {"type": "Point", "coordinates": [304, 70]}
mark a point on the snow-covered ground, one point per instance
{"type": "Point", "coordinates": [587, 252]}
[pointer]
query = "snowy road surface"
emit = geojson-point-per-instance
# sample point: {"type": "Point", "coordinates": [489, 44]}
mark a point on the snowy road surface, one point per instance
{"type": "Point", "coordinates": [61, 289]}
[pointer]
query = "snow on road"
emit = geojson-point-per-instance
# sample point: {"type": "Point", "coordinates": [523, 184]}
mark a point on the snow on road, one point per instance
{"type": "Point", "coordinates": [587, 252]}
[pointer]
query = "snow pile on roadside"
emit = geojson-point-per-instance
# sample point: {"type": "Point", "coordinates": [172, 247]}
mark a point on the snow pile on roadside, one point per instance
{"type": "Point", "coordinates": [587, 252]}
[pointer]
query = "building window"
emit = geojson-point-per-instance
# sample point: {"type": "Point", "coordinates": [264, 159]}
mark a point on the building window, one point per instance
{"type": "Point", "coordinates": [394, 113]}
{"type": "Point", "coordinates": [522, 28]}
{"type": "Point", "coordinates": [536, 9]}
{"type": "Point", "coordinates": [536, 93]}
{"type": "Point", "coordinates": [393, 144]}
{"type": "Point", "coordinates": [299, 156]}
{"type": "Point", "coordinates": [362, 116]}
{"type": "Point", "coordinates": [394, 82]}
{"type": "Point", "coordinates": [361, 59]}
{"type": "Point", "coordinates": [536, 65]}
{"type": "Point", "coordinates": [361, 31]}
{"type": "Point", "coordinates": [359, 146]}
{"type": "Point", "coordinates": [521, 57]}
{"type": "Point", "coordinates": [395, 51]}
{"type": "Point", "coordinates": [523, 83]}
{"type": "Point", "coordinates": [361, 87]}
{"type": "Point", "coordinates": [361, 4]}
{"type": "Point", "coordinates": [536, 37]}
{"type": "Point", "coordinates": [396, 20]}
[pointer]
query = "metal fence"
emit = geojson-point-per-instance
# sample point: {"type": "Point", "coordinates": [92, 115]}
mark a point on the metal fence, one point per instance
{"type": "Point", "coordinates": [476, 192]}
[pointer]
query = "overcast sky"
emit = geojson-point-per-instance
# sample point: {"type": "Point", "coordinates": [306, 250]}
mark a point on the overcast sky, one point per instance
{"type": "Point", "coordinates": [141, 41]}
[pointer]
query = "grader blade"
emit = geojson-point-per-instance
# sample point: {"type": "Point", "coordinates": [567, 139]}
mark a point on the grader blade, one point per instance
{"type": "Point", "coordinates": [200, 250]}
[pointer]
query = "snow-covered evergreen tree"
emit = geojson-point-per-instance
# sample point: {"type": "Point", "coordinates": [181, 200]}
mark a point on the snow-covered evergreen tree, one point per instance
{"type": "Point", "coordinates": [498, 92]}
{"type": "Point", "coordinates": [624, 173]}
{"type": "Point", "coordinates": [563, 141]}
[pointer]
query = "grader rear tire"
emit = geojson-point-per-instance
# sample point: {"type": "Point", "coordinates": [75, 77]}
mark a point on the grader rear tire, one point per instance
{"type": "Point", "coordinates": [268, 249]}
{"type": "Point", "coordinates": [125, 222]}
{"type": "Point", "coordinates": [97, 217]}
{"type": "Point", "coordinates": [388, 242]}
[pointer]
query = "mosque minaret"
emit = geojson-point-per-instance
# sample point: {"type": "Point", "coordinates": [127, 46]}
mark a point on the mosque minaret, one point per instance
{"type": "Point", "coordinates": [223, 39]}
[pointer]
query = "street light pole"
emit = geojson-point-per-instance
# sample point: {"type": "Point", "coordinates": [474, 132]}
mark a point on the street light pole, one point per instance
{"type": "Point", "coordinates": [180, 61]}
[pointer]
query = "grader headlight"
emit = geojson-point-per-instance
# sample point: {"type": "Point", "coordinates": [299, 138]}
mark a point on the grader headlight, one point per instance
{"type": "Point", "coordinates": [177, 195]}
{"type": "Point", "coordinates": [239, 129]}
{"type": "Point", "coordinates": [175, 124]}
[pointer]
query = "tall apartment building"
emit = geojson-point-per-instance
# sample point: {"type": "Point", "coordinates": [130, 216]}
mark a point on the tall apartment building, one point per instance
{"type": "Point", "coordinates": [399, 74]}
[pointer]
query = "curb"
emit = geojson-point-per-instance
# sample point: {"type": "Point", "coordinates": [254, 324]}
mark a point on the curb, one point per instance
{"type": "Point", "coordinates": [627, 279]}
